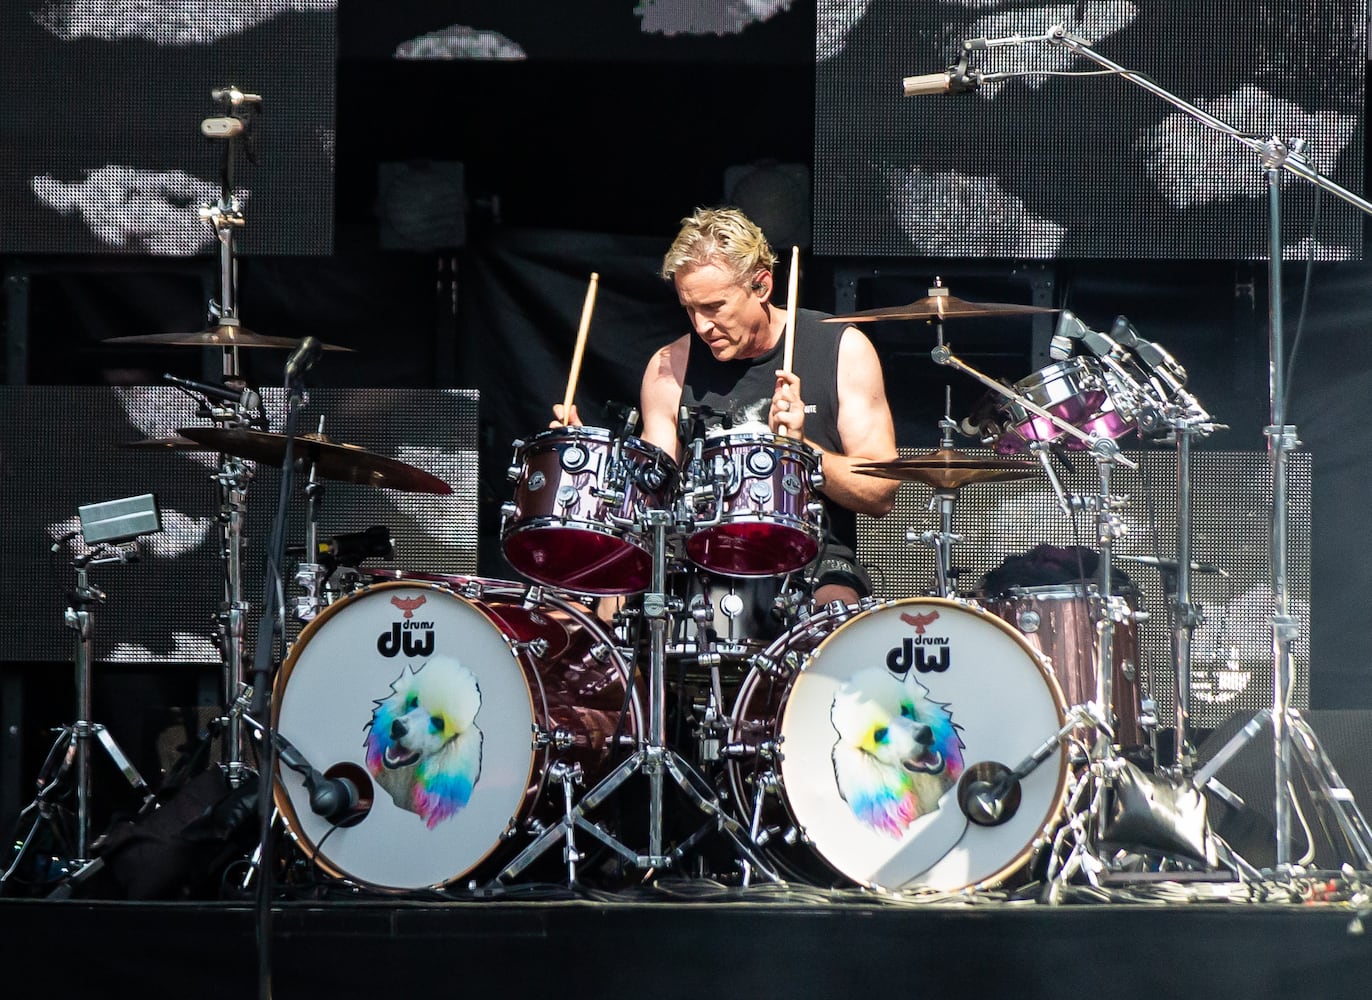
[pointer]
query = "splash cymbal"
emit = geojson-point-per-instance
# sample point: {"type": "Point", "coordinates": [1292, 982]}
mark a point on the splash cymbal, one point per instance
{"type": "Point", "coordinates": [948, 469]}
{"type": "Point", "coordinates": [341, 462]}
{"type": "Point", "coordinates": [939, 306]}
{"type": "Point", "coordinates": [223, 335]}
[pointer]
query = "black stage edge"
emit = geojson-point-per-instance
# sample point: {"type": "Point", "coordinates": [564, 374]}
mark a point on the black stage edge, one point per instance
{"type": "Point", "coordinates": [669, 950]}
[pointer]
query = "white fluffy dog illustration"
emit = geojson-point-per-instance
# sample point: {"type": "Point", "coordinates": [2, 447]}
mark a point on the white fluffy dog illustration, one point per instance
{"type": "Point", "coordinates": [423, 745]}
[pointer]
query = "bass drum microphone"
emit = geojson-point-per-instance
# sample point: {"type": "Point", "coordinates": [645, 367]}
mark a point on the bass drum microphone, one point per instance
{"type": "Point", "coordinates": [989, 793]}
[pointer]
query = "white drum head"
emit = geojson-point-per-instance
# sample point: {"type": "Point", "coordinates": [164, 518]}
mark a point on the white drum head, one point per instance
{"type": "Point", "coordinates": [882, 721]}
{"type": "Point", "coordinates": [422, 691]}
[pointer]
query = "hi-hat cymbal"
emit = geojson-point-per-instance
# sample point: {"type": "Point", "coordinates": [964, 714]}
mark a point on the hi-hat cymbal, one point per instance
{"type": "Point", "coordinates": [342, 462]}
{"type": "Point", "coordinates": [939, 306]}
{"type": "Point", "coordinates": [948, 469]}
{"type": "Point", "coordinates": [223, 335]}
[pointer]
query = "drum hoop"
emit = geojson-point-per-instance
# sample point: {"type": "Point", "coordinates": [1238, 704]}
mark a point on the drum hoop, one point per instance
{"type": "Point", "coordinates": [741, 438]}
{"type": "Point", "coordinates": [1066, 366]}
{"type": "Point", "coordinates": [1058, 801]}
{"type": "Point", "coordinates": [600, 435]}
{"type": "Point", "coordinates": [291, 818]}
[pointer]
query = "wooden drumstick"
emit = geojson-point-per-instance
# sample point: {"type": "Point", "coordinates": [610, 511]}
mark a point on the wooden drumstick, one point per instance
{"type": "Point", "coordinates": [586, 309]}
{"type": "Point", "coordinates": [792, 293]}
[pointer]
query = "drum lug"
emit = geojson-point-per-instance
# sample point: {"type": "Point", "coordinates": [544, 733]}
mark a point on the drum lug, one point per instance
{"type": "Point", "coordinates": [509, 510]}
{"type": "Point", "coordinates": [558, 739]}
{"type": "Point", "coordinates": [538, 647]}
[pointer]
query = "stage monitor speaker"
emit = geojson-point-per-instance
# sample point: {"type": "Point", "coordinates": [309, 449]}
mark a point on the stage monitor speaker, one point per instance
{"type": "Point", "coordinates": [1345, 735]}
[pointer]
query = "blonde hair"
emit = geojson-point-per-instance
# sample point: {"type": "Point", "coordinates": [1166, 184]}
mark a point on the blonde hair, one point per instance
{"type": "Point", "coordinates": [723, 236]}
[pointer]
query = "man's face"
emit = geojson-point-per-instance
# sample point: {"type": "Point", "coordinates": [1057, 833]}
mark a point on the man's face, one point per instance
{"type": "Point", "coordinates": [730, 317]}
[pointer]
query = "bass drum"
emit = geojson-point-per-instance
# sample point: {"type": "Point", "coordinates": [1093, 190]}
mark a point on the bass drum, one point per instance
{"type": "Point", "coordinates": [852, 732]}
{"type": "Point", "coordinates": [448, 710]}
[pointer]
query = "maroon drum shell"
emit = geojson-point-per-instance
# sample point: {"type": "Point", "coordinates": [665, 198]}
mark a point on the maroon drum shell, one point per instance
{"type": "Point", "coordinates": [766, 522]}
{"type": "Point", "coordinates": [572, 522]}
{"type": "Point", "coordinates": [1057, 622]}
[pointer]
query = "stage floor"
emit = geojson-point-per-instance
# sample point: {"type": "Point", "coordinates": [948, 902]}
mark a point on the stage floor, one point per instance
{"type": "Point", "coordinates": [688, 945]}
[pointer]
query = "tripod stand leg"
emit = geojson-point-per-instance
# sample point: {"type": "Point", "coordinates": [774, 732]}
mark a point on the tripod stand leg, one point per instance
{"type": "Point", "coordinates": [1334, 796]}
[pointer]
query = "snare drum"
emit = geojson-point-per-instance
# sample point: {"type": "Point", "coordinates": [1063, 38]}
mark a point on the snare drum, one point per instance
{"type": "Point", "coordinates": [757, 504]}
{"type": "Point", "coordinates": [1057, 622]}
{"type": "Point", "coordinates": [448, 711]}
{"type": "Point", "coordinates": [1080, 391]}
{"type": "Point", "coordinates": [853, 731]}
{"type": "Point", "coordinates": [572, 522]}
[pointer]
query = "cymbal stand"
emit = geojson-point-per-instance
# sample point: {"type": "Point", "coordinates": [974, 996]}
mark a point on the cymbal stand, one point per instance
{"type": "Point", "coordinates": [945, 499]}
{"type": "Point", "coordinates": [310, 574]}
{"type": "Point", "coordinates": [225, 217]}
{"type": "Point", "coordinates": [652, 758]}
{"type": "Point", "coordinates": [73, 744]}
{"type": "Point", "coordinates": [1291, 734]}
{"type": "Point", "coordinates": [1166, 404]}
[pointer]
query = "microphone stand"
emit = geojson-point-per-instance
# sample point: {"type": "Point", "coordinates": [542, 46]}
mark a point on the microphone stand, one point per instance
{"type": "Point", "coordinates": [271, 626]}
{"type": "Point", "coordinates": [1290, 731]}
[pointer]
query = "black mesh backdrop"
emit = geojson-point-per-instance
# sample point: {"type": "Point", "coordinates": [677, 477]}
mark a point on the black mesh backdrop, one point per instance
{"type": "Point", "coordinates": [62, 449]}
{"type": "Point", "coordinates": [101, 124]}
{"type": "Point", "coordinates": [1231, 653]}
{"type": "Point", "coordinates": [1045, 166]}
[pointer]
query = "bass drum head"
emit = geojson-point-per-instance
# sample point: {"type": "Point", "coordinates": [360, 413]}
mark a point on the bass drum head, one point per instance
{"type": "Point", "coordinates": [418, 694]}
{"type": "Point", "coordinates": [884, 718]}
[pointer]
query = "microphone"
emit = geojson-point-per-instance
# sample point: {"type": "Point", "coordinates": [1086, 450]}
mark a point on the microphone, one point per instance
{"type": "Point", "coordinates": [336, 796]}
{"type": "Point", "coordinates": [956, 79]}
{"type": "Point", "coordinates": [222, 128]}
{"type": "Point", "coordinates": [302, 359]}
{"type": "Point", "coordinates": [1171, 565]}
{"type": "Point", "coordinates": [1151, 356]}
{"type": "Point", "coordinates": [204, 388]}
{"type": "Point", "coordinates": [989, 794]}
{"type": "Point", "coordinates": [234, 96]}
{"type": "Point", "coordinates": [337, 800]}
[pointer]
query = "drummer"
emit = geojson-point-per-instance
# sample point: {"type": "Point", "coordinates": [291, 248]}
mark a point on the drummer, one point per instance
{"type": "Point", "coordinates": [730, 375]}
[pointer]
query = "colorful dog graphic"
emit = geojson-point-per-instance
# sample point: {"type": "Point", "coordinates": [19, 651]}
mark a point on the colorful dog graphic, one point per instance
{"type": "Point", "coordinates": [897, 750]}
{"type": "Point", "coordinates": [423, 744]}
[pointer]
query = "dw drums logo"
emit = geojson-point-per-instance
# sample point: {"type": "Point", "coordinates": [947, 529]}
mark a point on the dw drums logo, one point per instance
{"type": "Point", "coordinates": [926, 654]}
{"type": "Point", "coordinates": [404, 635]}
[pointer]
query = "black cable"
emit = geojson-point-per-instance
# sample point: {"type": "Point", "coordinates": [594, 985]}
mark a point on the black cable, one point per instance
{"type": "Point", "coordinates": [1290, 361]}
{"type": "Point", "coordinates": [262, 670]}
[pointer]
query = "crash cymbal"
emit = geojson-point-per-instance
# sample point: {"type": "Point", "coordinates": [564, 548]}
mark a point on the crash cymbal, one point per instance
{"type": "Point", "coordinates": [223, 335]}
{"type": "Point", "coordinates": [342, 462]}
{"type": "Point", "coordinates": [948, 469]}
{"type": "Point", "coordinates": [174, 443]}
{"type": "Point", "coordinates": [939, 305]}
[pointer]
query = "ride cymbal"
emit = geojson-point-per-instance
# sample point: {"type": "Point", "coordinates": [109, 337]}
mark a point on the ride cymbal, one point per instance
{"type": "Point", "coordinates": [341, 462]}
{"type": "Point", "coordinates": [223, 335]}
{"type": "Point", "coordinates": [948, 469]}
{"type": "Point", "coordinates": [939, 306]}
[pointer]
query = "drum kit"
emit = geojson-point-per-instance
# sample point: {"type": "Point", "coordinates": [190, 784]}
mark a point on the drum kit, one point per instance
{"type": "Point", "coordinates": [444, 732]}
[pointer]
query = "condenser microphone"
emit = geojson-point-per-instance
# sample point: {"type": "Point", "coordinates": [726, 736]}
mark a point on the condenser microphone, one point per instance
{"type": "Point", "coordinates": [302, 359]}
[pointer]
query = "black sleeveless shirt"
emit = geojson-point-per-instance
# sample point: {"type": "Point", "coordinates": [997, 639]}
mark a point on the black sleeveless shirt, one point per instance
{"type": "Point", "coordinates": [737, 395]}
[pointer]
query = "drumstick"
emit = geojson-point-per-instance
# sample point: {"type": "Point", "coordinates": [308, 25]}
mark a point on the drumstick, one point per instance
{"type": "Point", "coordinates": [792, 293]}
{"type": "Point", "coordinates": [580, 347]}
